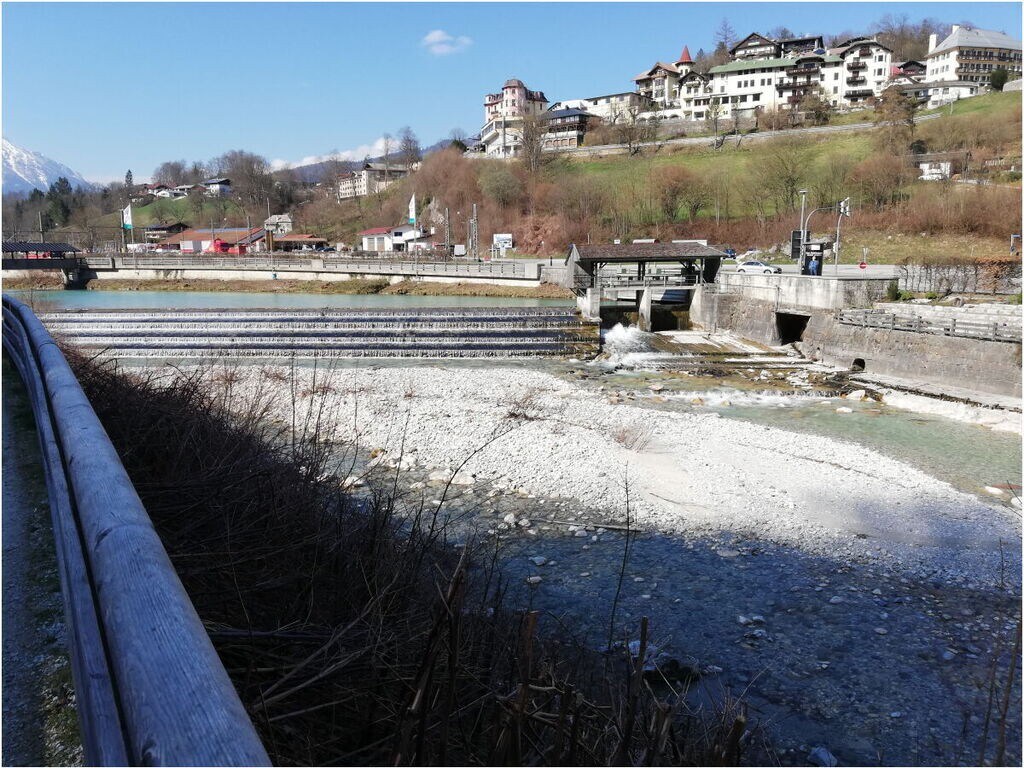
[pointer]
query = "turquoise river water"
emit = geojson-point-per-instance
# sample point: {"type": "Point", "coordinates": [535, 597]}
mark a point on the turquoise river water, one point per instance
{"type": "Point", "coordinates": [965, 455]}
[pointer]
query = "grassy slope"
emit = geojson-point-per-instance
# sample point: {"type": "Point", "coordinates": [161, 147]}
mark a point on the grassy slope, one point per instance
{"type": "Point", "coordinates": [177, 210]}
{"type": "Point", "coordinates": [732, 163]}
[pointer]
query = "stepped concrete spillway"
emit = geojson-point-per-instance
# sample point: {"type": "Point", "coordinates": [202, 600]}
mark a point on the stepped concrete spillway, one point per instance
{"type": "Point", "coordinates": [463, 332]}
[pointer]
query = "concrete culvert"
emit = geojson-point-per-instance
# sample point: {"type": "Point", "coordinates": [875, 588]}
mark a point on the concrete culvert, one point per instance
{"type": "Point", "coordinates": [858, 364]}
{"type": "Point", "coordinates": [790, 327]}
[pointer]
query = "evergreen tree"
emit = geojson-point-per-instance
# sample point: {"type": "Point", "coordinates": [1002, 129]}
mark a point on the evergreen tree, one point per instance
{"type": "Point", "coordinates": [998, 78]}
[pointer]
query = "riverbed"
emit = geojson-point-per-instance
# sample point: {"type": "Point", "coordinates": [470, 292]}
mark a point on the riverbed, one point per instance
{"type": "Point", "coordinates": [855, 568]}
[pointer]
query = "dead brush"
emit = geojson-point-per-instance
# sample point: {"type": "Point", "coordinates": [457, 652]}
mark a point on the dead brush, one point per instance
{"type": "Point", "coordinates": [317, 389]}
{"type": "Point", "coordinates": [634, 437]}
{"type": "Point", "coordinates": [353, 633]}
{"type": "Point", "coordinates": [273, 374]}
{"type": "Point", "coordinates": [525, 407]}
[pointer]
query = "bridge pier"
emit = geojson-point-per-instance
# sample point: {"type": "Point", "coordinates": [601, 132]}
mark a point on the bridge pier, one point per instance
{"type": "Point", "coordinates": [74, 279]}
{"type": "Point", "coordinates": [589, 304]}
{"type": "Point", "coordinates": [645, 299]}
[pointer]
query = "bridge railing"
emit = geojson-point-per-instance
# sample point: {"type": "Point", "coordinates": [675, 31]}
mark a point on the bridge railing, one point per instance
{"type": "Point", "coordinates": [282, 263]}
{"type": "Point", "coordinates": [149, 686]}
{"type": "Point", "coordinates": [988, 330]}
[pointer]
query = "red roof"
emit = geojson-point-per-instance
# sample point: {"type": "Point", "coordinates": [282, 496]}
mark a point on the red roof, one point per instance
{"type": "Point", "coordinates": [376, 231]}
{"type": "Point", "coordinates": [296, 237]}
{"type": "Point", "coordinates": [684, 57]}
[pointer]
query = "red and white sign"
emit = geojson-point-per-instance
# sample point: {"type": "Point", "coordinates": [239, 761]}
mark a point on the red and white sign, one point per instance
{"type": "Point", "coordinates": [863, 265]}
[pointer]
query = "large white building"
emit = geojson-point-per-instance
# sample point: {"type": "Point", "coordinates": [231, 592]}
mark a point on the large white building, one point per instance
{"type": "Point", "coordinates": [963, 63]}
{"type": "Point", "coordinates": [371, 178]}
{"type": "Point", "coordinates": [769, 74]}
{"type": "Point", "coordinates": [501, 135]}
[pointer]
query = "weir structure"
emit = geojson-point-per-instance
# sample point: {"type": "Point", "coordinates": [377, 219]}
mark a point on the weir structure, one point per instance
{"type": "Point", "coordinates": [408, 332]}
{"type": "Point", "coordinates": [149, 686]}
{"type": "Point", "coordinates": [639, 272]}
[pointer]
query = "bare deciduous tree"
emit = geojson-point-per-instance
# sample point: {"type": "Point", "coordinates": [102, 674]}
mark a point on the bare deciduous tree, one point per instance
{"type": "Point", "coordinates": [533, 132]}
{"type": "Point", "coordinates": [629, 128]}
{"type": "Point", "coordinates": [894, 116]}
{"type": "Point", "coordinates": [408, 147]}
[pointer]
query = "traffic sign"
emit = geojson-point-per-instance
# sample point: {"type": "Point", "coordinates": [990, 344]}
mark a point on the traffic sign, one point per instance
{"type": "Point", "coordinates": [863, 265]}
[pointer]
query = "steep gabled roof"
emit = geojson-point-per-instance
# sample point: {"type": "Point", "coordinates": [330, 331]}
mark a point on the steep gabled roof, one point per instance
{"type": "Point", "coordinates": [761, 39]}
{"type": "Point", "coordinates": [661, 65]}
{"type": "Point", "coordinates": [684, 57]}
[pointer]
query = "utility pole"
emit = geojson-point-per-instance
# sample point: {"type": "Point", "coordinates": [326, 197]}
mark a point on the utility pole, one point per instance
{"type": "Point", "coordinates": [474, 234]}
{"type": "Point", "coordinates": [447, 234]}
{"type": "Point", "coordinates": [42, 236]}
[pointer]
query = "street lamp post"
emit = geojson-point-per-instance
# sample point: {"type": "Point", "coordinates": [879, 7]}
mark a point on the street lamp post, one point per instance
{"type": "Point", "coordinates": [803, 238]}
{"type": "Point", "coordinates": [844, 210]}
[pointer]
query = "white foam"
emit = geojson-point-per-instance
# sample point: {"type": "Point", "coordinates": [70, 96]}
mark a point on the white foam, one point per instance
{"type": "Point", "coordinates": [995, 419]}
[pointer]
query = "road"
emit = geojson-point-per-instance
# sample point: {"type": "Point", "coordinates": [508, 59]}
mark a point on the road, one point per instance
{"type": "Point", "coordinates": [708, 141]}
{"type": "Point", "coordinates": [845, 270]}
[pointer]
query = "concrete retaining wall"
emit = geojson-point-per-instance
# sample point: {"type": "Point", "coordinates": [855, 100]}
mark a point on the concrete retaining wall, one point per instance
{"type": "Point", "coordinates": [974, 364]}
{"type": "Point", "coordinates": [806, 293]}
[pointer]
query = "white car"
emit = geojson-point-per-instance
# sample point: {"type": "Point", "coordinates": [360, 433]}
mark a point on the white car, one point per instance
{"type": "Point", "coordinates": [758, 266]}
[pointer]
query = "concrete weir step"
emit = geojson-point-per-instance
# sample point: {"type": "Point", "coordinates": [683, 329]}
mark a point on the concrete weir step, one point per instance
{"type": "Point", "coordinates": [435, 332]}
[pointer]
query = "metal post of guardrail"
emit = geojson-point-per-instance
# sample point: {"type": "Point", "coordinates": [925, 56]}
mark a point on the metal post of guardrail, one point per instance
{"type": "Point", "coordinates": [150, 686]}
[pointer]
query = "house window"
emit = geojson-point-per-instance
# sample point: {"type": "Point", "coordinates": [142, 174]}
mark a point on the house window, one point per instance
{"type": "Point", "coordinates": [835, 89]}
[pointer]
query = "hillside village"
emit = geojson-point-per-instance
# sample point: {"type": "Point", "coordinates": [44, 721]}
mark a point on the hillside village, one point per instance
{"type": "Point", "coordinates": [661, 129]}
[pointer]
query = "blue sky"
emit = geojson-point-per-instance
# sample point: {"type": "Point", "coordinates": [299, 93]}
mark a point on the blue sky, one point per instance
{"type": "Point", "coordinates": [103, 87]}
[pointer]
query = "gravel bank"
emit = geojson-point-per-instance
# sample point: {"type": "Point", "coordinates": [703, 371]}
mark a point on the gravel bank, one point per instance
{"type": "Point", "coordinates": [688, 473]}
{"type": "Point", "coordinates": [856, 602]}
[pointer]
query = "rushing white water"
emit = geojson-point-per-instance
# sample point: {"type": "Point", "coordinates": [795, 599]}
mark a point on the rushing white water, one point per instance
{"type": "Point", "coordinates": [629, 347]}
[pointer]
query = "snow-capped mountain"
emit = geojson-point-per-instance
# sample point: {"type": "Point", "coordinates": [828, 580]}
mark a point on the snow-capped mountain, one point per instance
{"type": "Point", "coordinates": [25, 170]}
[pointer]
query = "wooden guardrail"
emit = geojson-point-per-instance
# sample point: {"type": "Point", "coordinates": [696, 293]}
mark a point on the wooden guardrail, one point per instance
{"type": "Point", "coordinates": [964, 327]}
{"type": "Point", "coordinates": [149, 686]}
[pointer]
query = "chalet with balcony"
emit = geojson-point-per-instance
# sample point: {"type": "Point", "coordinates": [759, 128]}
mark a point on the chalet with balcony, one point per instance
{"type": "Point", "coordinates": [565, 128]}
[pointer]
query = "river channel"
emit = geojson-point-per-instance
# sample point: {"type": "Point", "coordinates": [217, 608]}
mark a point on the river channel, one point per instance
{"type": "Point", "coordinates": [968, 456]}
{"type": "Point", "coordinates": [877, 664]}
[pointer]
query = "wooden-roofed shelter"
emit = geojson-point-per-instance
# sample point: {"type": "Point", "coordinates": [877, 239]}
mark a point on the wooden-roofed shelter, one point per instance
{"type": "Point", "coordinates": [697, 263]}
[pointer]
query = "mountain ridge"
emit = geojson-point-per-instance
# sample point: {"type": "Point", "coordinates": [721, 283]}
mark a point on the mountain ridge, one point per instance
{"type": "Point", "coordinates": [25, 170]}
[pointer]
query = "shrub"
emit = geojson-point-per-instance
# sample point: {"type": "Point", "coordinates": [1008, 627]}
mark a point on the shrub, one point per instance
{"type": "Point", "coordinates": [892, 291]}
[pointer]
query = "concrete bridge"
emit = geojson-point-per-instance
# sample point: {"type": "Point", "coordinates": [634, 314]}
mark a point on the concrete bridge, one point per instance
{"type": "Point", "coordinates": [149, 686]}
{"type": "Point", "coordinates": [285, 267]}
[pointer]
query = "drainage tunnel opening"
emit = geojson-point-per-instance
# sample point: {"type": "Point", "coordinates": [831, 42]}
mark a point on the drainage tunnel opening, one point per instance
{"type": "Point", "coordinates": [858, 364]}
{"type": "Point", "coordinates": [790, 327]}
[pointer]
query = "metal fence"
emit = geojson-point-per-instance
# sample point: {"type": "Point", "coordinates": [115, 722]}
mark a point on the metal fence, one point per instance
{"type": "Point", "coordinates": [149, 686]}
{"type": "Point", "coordinates": [968, 276]}
{"type": "Point", "coordinates": [973, 328]}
